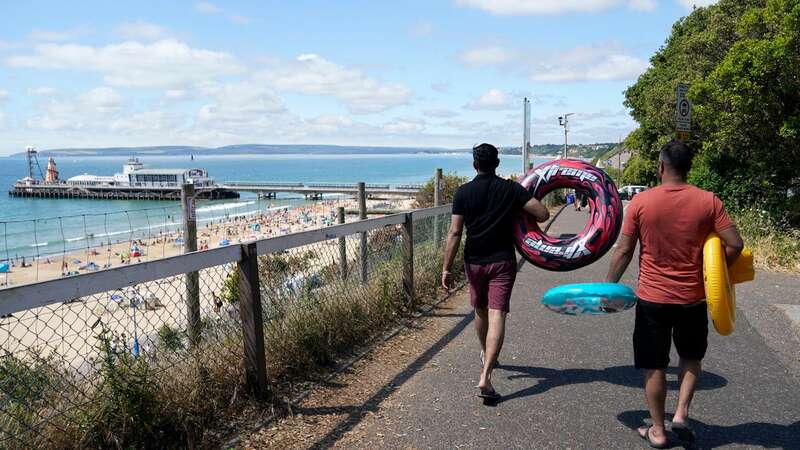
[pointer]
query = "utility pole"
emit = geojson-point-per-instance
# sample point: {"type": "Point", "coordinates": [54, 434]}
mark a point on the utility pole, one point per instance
{"type": "Point", "coordinates": [564, 122]}
{"type": "Point", "coordinates": [526, 133]}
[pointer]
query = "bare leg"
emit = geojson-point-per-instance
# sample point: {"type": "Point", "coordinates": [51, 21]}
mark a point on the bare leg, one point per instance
{"type": "Point", "coordinates": [655, 389]}
{"type": "Point", "coordinates": [690, 373]}
{"type": "Point", "coordinates": [482, 326]}
{"type": "Point", "coordinates": [494, 343]}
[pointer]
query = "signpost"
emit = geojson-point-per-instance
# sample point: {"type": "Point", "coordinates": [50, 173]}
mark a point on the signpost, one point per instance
{"type": "Point", "coordinates": [526, 133]}
{"type": "Point", "coordinates": [683, 107]}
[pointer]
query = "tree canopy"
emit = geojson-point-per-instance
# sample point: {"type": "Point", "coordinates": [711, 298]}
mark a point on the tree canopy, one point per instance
{"type": "Point", "coordinates": [741, 59]}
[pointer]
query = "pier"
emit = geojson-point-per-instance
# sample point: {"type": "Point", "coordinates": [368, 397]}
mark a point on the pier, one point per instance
{"type": "Point", "coordinates": [316, 190]}
{"type": "Point", "coordinates": [66, 190]}
{"type": "Point", "coordinates": [311, 191]}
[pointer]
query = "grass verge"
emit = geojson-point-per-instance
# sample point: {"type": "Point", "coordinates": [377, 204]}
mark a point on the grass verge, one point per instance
{"type": "Point", "coordinates": [775, 244]}
{"type": "Point", "coordinates": [183, 396]}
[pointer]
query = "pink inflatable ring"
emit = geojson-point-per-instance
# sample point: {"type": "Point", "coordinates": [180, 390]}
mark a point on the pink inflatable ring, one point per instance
{"type": "Point", "coordinates": [600, 233]}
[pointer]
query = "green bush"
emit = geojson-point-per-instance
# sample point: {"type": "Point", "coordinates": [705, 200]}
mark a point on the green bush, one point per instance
{"type": "Point", "coordinates": [740, 58]}
{"type": "Point", "coordinates": [170, 338]}
{"type": "Point", "coordinates": [450, 183]}
{"type": "Point", "coordinates": [775, 244]}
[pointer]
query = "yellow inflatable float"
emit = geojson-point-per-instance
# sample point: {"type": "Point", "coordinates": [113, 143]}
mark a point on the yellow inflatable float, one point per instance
{"type": "Point", "coordinates": [719, 280]}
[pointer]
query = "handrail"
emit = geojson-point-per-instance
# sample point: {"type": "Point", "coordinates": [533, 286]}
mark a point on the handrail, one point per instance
{"type": "Point", "coordinates": [34, 295]}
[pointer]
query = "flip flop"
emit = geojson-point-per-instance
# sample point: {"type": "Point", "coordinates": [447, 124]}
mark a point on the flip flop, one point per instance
{"type": "Point", "coordinates": [683, 431]}
{"type": "Point", "coordinates": [646, 437]}
{"type": "Point", "coordinates": [489, 394]}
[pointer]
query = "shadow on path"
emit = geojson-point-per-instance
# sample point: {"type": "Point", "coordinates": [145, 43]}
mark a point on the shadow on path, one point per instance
{"type": "Point", "coordinates": [356, 413]}
{"type": "Point", "coordinates": [762, 434]}
{"type": "Point", "coordinates": [626, 376]}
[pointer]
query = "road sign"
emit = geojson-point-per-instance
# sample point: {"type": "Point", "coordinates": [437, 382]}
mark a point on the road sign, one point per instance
{"type": "Point", "coordinates": [683, 109]}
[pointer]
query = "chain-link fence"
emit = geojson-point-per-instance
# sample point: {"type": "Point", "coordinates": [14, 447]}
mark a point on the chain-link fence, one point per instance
{"type": "Point", "coordinates": [136, 356]}
{"type": "Point", "coordinates": [52, 247]}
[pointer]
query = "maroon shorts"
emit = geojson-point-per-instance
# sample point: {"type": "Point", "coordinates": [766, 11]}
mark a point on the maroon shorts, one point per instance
{"type": "Point", "coordinates": [490, 284]}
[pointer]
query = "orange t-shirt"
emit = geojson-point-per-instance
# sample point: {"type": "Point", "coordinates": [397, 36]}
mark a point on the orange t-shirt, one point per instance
{"type": "Point", "coordinates": [671, 223]}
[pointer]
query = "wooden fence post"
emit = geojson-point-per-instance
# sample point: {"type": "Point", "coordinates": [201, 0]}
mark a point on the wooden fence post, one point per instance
{"type": "Point", "coordinates": [437, 201]}
{"type": "Point", "coordinates": [192, 280]}
{"type": "Point", "coordinates": [362, 214]}
{"type": "Point", "coordinates": [408, 259]}
{"type": "Point", "coordinates": [255, 361]}
{"type": "Point", "coordinates": [342, 247]}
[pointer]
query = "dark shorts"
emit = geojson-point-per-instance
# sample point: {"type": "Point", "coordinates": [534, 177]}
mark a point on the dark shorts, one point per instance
{"type": "Point", "coordinates": [490, 284]}
{"type": "Point", "coordinates": [658, 323]}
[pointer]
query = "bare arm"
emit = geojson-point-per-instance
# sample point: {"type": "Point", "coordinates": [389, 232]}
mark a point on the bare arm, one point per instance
{"type": "Point", "coordinates": [621, 258]}
{"type": "Point", "coordinates": [451, 249]}
{"type": "Point", "coordinates": [733, 244]}
{"type": "Point", "coordinates": [536, 209]}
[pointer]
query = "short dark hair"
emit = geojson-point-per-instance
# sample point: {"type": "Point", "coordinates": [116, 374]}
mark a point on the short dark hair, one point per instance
{"type": "Point", "coordinates": [485, 157]}
{"type": "Point", "coordinates": [677, 156]}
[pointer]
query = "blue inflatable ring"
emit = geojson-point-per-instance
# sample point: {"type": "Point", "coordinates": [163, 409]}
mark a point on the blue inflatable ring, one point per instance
{"type": "Point", "coordinates": [589, 298]}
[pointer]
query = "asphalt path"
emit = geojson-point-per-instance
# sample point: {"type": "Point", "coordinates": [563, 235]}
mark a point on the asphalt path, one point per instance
{"type": "Point", "coordinates": [569, 382]}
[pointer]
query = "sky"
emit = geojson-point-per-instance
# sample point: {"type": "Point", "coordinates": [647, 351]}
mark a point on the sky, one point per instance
{"type": "Point", "coordinates": [430, 73]}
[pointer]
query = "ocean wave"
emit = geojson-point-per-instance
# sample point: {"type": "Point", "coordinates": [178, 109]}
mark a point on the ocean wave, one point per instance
{"type": "Point", "coordinates": [232, 205]}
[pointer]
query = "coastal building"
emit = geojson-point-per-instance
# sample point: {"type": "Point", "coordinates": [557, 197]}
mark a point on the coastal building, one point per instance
{"type": "Point", "coordinates": [134, 182]}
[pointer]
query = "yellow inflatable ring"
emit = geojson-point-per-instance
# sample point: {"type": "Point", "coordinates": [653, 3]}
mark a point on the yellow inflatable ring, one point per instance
{"type": "Point", "coordinates": [720, 294]}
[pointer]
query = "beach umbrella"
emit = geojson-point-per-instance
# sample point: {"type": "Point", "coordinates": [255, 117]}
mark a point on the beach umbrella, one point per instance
{"type": "Point", "coordinates": [4, 268]}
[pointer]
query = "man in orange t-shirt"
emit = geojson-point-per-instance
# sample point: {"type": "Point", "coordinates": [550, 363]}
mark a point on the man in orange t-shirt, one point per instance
{"type": "Point", "coordinates": [671, 223]}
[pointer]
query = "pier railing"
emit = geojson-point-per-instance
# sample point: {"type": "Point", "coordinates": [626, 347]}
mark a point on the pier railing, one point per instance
{"type": "Point", "coordinates": [259, 312]}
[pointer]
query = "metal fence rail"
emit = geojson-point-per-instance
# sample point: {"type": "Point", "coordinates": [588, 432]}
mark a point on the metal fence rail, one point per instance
{"type": "Point", "coordinates": [274, 306]}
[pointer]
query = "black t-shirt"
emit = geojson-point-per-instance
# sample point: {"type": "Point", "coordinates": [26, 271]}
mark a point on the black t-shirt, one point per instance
{"type": "Point", "coordinates": [489, 204]}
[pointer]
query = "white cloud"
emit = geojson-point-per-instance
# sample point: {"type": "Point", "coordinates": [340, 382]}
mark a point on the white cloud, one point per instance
{"type": "Point", "coordinates": [404, 126]}
{"type": "Point", "coordinates": [57, 35]}
{"type": "Point", "coordinates": [493, 99]}
{"type": "Point", "coordinates": [207, 8]}
{"type": "Point", "coordinates": [689, 4]}
{"type": "Point", "coordinates": [587, 64]}
{"type": "Point", "coordinates": [240, 105]}
{"type": "Point", "coordinates": [44, 91]}
{"type": "Point", "coordinates": [164, 63]}
{"type": "Point", "coordinates": [314, 75]}
{"type": "Point", "coordinates": [598, 62]}
{"type": "Point", "coordinates": [545, 7]}
{"type": "Point", "coordinates": [102, 99]}
{"type": "Point", "coordinates": [643, 5]}
{"type": "Point", "coordinates": [4, 95]}
{"type": "Point", "coordinates": [487, 56]}
{"type": "Point", "coordinates": [210, 8]}
{"type": "Point", "coordinates": [441, 113]}
{"type": "Point", "coordinates": [142, 30]}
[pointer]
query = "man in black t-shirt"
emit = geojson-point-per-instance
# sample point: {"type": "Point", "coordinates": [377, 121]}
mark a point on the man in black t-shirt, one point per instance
{"type": "Point", "coordinates": [487, 205]}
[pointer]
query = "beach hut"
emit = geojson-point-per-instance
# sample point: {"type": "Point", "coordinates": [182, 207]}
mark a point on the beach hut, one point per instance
{"type": "Point", "coordinates": [4, 268]}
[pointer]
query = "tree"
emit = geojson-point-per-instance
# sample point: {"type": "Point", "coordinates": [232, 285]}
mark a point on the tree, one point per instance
{"type": "Point", "coordinates": [450, 182]}
{"type": "Point", "coordinates": [740, 58]}
{"type": "Point", "coordinates": [639, 171]}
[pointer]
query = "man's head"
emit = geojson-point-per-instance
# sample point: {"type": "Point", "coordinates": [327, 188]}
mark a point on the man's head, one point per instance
{"type": "Point", "coordinates": [484, 158]}
{"type": "Point", "coordinates": [674, 160]}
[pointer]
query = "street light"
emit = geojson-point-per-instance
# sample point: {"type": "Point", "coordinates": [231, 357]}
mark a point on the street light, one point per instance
{"type": "Point", "coordinates": [564, 122]}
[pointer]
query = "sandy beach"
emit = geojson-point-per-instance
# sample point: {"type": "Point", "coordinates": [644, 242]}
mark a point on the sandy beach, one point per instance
{"type": "Point", "coordinates": [70, 330]}
{"type": "Point", "coordinates": [276, 221]}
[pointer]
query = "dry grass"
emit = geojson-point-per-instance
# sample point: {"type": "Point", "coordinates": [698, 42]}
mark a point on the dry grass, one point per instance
{"type": "Point", "coordinates": [775, 244]}
{"type": "Point", "coordinates": [191, 398]}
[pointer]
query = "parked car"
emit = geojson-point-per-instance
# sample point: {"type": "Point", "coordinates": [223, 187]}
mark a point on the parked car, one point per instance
{"type": "Point", "coordinates": [628, 192]}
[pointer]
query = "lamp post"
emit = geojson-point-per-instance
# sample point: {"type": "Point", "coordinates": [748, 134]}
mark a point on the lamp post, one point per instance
{"type": "Point", "coordinates": [564, 122]}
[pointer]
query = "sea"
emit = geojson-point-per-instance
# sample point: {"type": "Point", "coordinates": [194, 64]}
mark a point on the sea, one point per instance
{"type": "Point", "coordinates": [35, 227]}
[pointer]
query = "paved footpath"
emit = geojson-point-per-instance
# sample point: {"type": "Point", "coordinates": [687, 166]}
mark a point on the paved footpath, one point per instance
{"type": "Point", "coordinates": [568, 382]}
